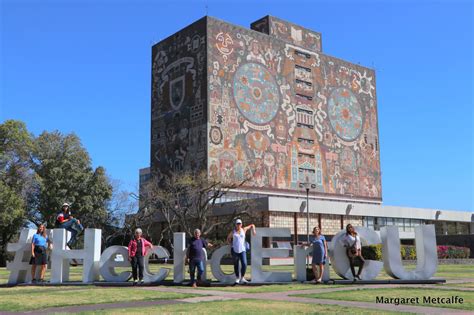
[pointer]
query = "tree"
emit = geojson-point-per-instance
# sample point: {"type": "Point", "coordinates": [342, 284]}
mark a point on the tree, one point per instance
{"type": "Point", "coordinates": [189, 200]}
{"type": "Point", "coordinates": [64, 173]}
{"type": "Point", "coordinates": [16, 180]}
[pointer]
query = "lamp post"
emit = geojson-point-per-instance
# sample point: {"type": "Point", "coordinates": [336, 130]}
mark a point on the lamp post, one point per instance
{"type": "Point", "coordinates": [307, 186]}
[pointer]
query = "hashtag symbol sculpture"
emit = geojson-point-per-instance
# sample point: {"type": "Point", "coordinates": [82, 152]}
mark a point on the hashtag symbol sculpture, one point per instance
{"type": "Point", "coordinates": [20, 268]}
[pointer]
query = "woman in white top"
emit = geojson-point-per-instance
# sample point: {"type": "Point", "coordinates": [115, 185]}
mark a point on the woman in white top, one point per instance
{"type": "Point", "coordinates": [239, 249]}
{"type": "Point", "coordinates": [354, 250]}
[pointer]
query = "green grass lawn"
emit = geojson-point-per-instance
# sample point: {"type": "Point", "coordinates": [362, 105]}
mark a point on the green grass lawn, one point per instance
{"type": "Point", "coordinates": [29, 298]}
{"type": "Point", "coordinates": [272, 288]}
{"type": "Point", "coordinates": [462, 285]}
{"type": "Point", "coordinates": [241, 307]}
{"type": "Point", "coordinates": [369, 295]}
{"type": "Point", "coordinates": [23, 298]}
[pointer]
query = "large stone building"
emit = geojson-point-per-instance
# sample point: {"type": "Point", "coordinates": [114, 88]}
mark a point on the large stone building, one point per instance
{"type": "Point", "coordinates": [266, 104]}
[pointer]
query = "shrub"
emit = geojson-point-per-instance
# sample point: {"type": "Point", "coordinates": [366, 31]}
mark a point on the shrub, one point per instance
{"type": "Point", "coordinates": [448, 251]}
{"type": "Point", "coordinates": [408, 252]}
{"type": "Point", "coordinates": [402, 252]}
{"type": "Point", "coordinates": [372, 252]}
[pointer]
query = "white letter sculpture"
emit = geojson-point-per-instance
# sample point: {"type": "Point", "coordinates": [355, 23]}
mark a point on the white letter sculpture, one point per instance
{"type": "Point", "coordinates": [258, 253]}
{"type": "Point", "coordinates": [179, 254]}
{"type": "Point", "coordinates": [20, 269]}
{"type": "Point", "coordinates": [216, 269]}
{"type": "Point", "coordinates": [301, 253]}
{"type": "Point", "coordinates": [340, 261]}
{"type": "Point", "coordinates": [150, 277]}
{"type": "Point", "coordinates": [90, 255]}
{"type": "Point", "coordinates": [108, 264]}
{"type": "Point", "coordinates": [426, 253]}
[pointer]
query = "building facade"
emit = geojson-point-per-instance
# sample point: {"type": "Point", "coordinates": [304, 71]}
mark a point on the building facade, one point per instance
{"type": "Point", "coordinates": [267, 107]}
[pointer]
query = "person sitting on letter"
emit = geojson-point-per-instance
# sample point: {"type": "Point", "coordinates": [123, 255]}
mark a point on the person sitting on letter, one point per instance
{"type": "Point", "coordinates": [353, 250]}
{"type": "Point", "coordinates": [66, 221]}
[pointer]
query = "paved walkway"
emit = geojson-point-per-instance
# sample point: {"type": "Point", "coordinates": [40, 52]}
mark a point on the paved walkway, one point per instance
{"type": "Point", "coordinates": [289, 296]}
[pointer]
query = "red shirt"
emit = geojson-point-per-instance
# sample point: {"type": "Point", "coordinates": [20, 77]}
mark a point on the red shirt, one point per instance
{"type": "Point", "coordinates": [132, 247]}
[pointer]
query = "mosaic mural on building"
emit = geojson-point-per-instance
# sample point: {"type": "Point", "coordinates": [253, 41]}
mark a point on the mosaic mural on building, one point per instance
{"type": "Point", "coordinates": [288, 32]}
{"type": "Point", "coordinates": [179, 94]}
{"type": "Point", "coordinates": [281, 114]}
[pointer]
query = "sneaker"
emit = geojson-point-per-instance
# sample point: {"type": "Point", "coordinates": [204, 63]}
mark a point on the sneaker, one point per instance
{"type": "Point", "coordinates": [135, 282]}
{"type": "Point", "coordinates": [194, 285]}
{"type": "Point", "coordinates": [141, 281]}
{"type": "Point", "coordinates": [237, 281]}
{"type": "Point", "coordinates": [243, 281]}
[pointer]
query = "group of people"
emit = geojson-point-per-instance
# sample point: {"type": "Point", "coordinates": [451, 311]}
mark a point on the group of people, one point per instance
{"type": "Point", "coordinates": [351, 242]}
{"type": "Point", "coordinates": [138, 247]}
{"type": "Point", "coordinates": [41, 243]}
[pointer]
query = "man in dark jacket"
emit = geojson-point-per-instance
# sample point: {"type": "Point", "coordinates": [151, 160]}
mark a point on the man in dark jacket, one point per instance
{"type": "Point", "coordinates": [195, 256]}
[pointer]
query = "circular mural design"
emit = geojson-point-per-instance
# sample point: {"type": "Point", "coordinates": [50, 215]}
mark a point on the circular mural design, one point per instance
{"type": "Point", "coordinates": [345, 114]}
{"type": "Point", "coordinates": [216, 135]}
{"type": "Point", "coordinates": [256, 93]}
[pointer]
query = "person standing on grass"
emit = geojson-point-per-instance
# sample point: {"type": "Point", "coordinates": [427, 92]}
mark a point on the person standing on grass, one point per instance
{"type": "Point", "coordinates": [239, 249]}
{"type": "Point", "coordinates": [320, 252]}
{"type": "Point", "coordinates": [38, 253]}
{"type": "Point", "coordinates": [353, 250]}
{"type": "Point", "coordinates": [137, 249]}
{"type": "Point", "coordinates": [195, 256]}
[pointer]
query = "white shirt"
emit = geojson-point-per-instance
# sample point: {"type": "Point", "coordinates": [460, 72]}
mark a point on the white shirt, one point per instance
{"type": "Point", "coordinates": [349, 240]}
{"type": "Point", "coordinates": [238, 241]}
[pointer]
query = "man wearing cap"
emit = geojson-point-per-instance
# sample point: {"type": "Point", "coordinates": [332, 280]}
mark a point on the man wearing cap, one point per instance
{"type": "Point", "coordinates": [66, 221]}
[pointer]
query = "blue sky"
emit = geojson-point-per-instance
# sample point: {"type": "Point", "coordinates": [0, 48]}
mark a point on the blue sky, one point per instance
{"type": "Point", "coordinates": [84, 67]}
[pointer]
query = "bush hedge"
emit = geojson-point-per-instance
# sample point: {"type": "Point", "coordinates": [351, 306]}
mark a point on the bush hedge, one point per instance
{"type": "Point", "coordinates": [408, 252]}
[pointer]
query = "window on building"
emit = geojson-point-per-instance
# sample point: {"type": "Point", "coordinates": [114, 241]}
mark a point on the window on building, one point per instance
{"type": "Point", "coordinates": [306, 111]}
{"type": "Point", "coordinates": [304, 140]}
{"type": "Point", "coordinates": [306, 97]}
{"type": "Point", "coordinates": [302, 54]}
{"type": "Point", "coordinates": [301, 154]}
{"type": "Point", "coordinates": [379, 222]}
{"type": "Point", "coordinates": [369, 222]}
{"type": "Point", "coordinates": [305, 125]}
{"type": "Point", "coordinates": [309, 84]}
{"type": "Point", "coordinates": [302, 68]}
{"type": "Point", "coordinates": [399, 222]}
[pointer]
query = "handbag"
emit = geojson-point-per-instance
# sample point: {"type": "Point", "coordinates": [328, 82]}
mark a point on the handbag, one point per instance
{"type": "Point", "coordinates": [352, 250]}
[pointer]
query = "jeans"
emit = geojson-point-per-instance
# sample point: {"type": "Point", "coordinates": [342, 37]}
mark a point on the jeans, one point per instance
{"type": "Point", "coordinates": [353, 261]}
{"type": "Point", "coordinates": [242, 257]}
{"type": "Point", "coordinates": [73, 227]}
{"type": "Point", "coordinates": [137, 263]}
{"type": "Point", "coordinates": [193, 264]}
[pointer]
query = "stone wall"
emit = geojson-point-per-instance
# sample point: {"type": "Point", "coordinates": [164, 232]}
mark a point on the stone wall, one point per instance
{"type": "Point", "coordinates": [330, 223]}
